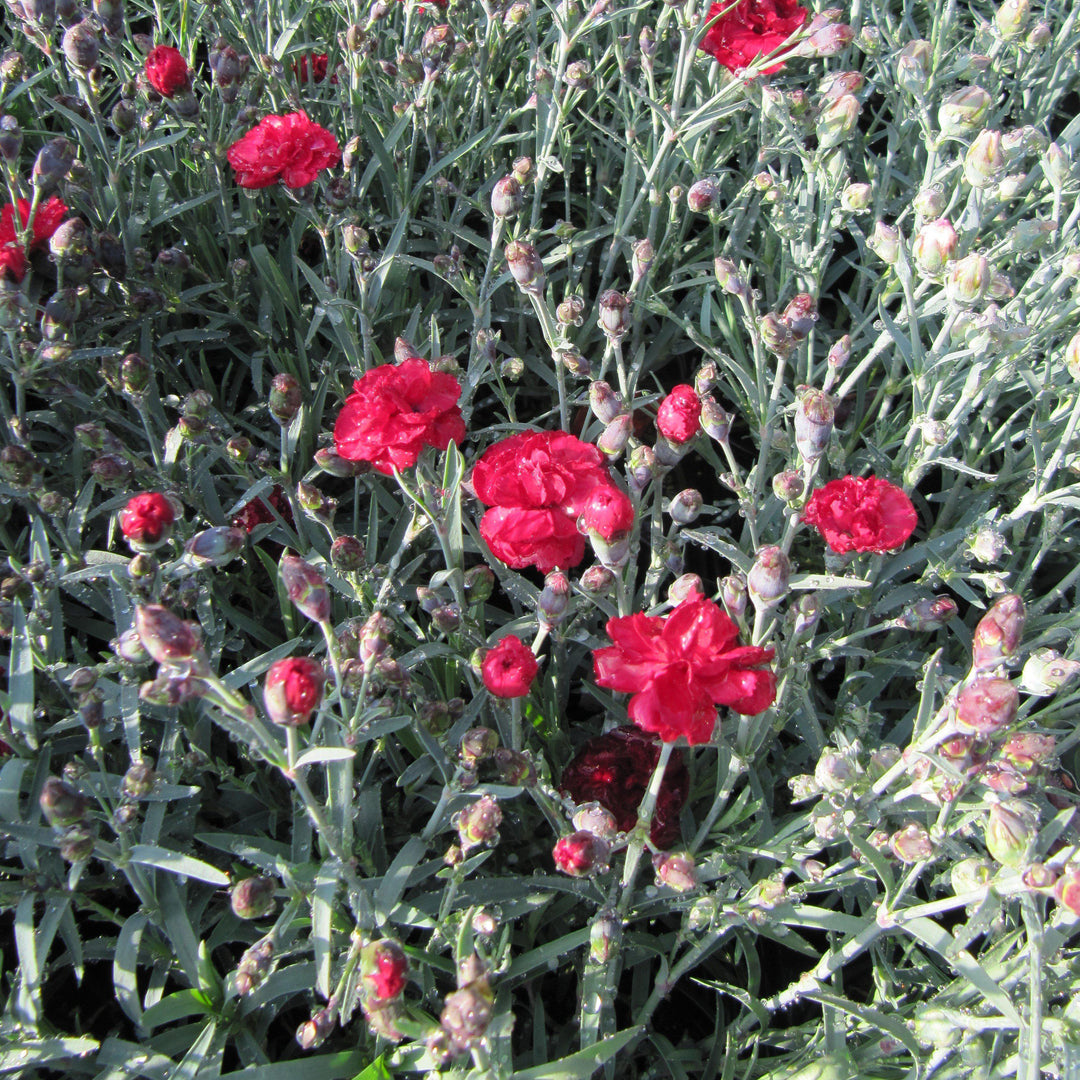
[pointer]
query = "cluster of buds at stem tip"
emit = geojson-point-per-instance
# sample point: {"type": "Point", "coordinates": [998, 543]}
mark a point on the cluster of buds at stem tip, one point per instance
{"type": "Point", "coordinates": [306, 588]}
{"type": "Point", "coordinates": [526, 266]}
{"type": "Point", "coordinates": [478, 824]}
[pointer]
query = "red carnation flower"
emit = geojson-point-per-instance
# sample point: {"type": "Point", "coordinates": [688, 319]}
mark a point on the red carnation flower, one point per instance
{"type": "Point", "coordinates": [166, 70]}
{"type": "Point", "coordinates": [679, 416]}
{"type": "Point", "coordinates": [861, 514]}
{"type": "Point", "coordinates": [509, 668]}
{"type": "Point", "coordinates": [256, 512]}
{"type": "Point", "coordinates": [395, 411]}
{"type": "Point", "coordinates": [147, 518]}
{"type": "Point", "coordinates": [614, 770]}
{"type": "Point", "coordinates": [292, 148]}
{"type": "Point", "coordinates": [47, 219]}
{"type": "Point", "coordinates": [608, 512]}
{"type": "Point", "coordinates": [680, 667]}
{"type": "Point", "coordinates": [293, 690]}
{"type": "Point", "coordinates": [318, 64]}
{"type": "Point", "coordinates": [749, 29]}
{"type": "Point", "coordinates": [537, 484]}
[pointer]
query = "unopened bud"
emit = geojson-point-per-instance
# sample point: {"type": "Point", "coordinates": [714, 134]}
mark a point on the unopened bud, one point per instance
{"type": "Point", "coordinates": [347, 554]}
{"type": "Point", "coordinates": [856, 197]}
{"type": "Point", "coordinates": [1012, 17]}
{"type": "Point", "coordinates": [571, 312]}
{"type": "Point", "coordinates": [477, 745]}
{"type": "Point", "coordinates": [998, 633]}
{"type": "Point", "coordinates": [479, 584]}
{"type": "Point", "coordinates": [685, 507]}
{"type": "Point", "coordinates": [767, 581]}
{"type": "Point", "coordinates": [676, 870]}
{"type": "Point", "coordinates": [987, 705]}
{"type": "Point", "coordinates": [960, 113]}
{"type": "Point", "coordinates": [306, 588]}
{"type": "Point", "coordinates": [933, 246]}
{"type": "Point", "coordinates": [684, 587]}
{"type": "Point", "coordinates": [840, 353]}
{"type": "Point", "coordinates": [984, 162]}
{"type": "Point", "coordinates": [837, 120]}
{"type": "Point", "coordinates": [1067, 890]}
{"type": "Point", "coordinates": [478, 824]}
{"type": "Point", "coordinates": [814, 418]}
{"type": "Point", "coordinates": [928, 614]}
{"type": "Point", "coordinates": [554, 599]}
{"type": "Point", "coordinates": [597, 579]}
{"type": "Point", "coordinates": [703, 195]}
{"type": "Point", "coordinates": [314, 1032]}
{"type": "Point", "coordinates": [968, 280]}
{"type": "Point", "coordinates": [885, 242]}
{"type": "Point", "coordinates": [374, 637]}
{"type": "Point", "coordinates": [138, 781]}
{"type": "Point", "coordinates": [165, 636]}
{"type": "Point", "coordinates": [913, 66]}
{"type": "Point", "coordinates": [581, 854]}
{"type": "Point", "coordinates": [284, 399]}
{"type": "Point", "coordinates": [728, 277]}
{"type": "Point", "coordinates": [253, 966]}
{"type": "Point", "coordinates": [911, 843]}
{"type": "Point", "coordinates": [776, 335]}
{"type": "Point", "coordinates": [807, 611]}
{"type": "Point", "coordinates": [526, 266]}
{"type": "Point", "coordinates": [605, 403]}
{"type": "Point", "coordinates": [1047, 671]}
{"type": "Point", "coordinates": [506, 198]}
{"type": "Point", "coordinates": [801, 314]}
{"type": "Point", "coordinates": [614, 317]}
{"type": "Point", "coordinates": [1011, 829]}
{"type": "Point", "coordinates": [61, 804]}
{"type": "Point", "coordinates": [715, 420]}
{"type": "Point", "coordinates": [788, 486]}
{"type": "Point", "coordinates": [52, 164]}
{"type": "Point", "coordinates": [641, 259]}
{"type": "Point", "coordinates": [970, 874]}
{"type": "Point", "coordinates": [733, 593]}
{"type": "Point", "coordinates": [214, 547]}
{"type": "Point", "coordinates": [253, 897]}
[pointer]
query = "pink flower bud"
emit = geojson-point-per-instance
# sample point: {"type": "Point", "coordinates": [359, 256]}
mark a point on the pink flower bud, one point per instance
{"type": "Point", "coordinates": [856, 197]}
{"type": "Point", "coordinates": [729, 278]}
{"type": "Point", "coordinates": [478, 824]}
{"type": "Point", "coordinates": [814, 418]}
{"type": "Point", "coordinates": [526, 266]}
{"type": "Point", "coordinates": [685, 507]}
{"type": "Point", "coordinates": [676, 870]}
{"type": "Point", "coordinates": [374, 637]}
{"type": "Point", "coordinates": [788, 486]}
{"type": "Point", "coordinates": [615, 436]}
{"type": "Point", "coordinates": [767, 581]}
{"type": "Point", "coordinates": [214, 547]}
{"type": "Point", "coordinates": [514, 767]}
{"type": "Point", "coordinates": [679, 415]}
{"type": "Point", "coordinates": [987, 705]}
{"type": "Point", "coordinates": [801, 314]}
{"type": "Point", "coordinates": [605, 402]}
{"type": "Point", "coordinates": [984, 162]}
{"type": "Point", "coordinates": [581, 854]}
{"type": "Point", "coordinates": [998, 633]}
{"type": "Point", "coordinates": [885, 242]}
{"type": "Point", "coordinates": [683, 587]}
{"type": "Point", "coordinates": [284, 399]}
{"type": "Point", "coordinates": [733, 593]}
{"type": "Point", "coordinates": [254, 965]}
{"type": "Point", "coordinates": [253, 898]}
{"type": "Point", "coordinates": [165, 636]}
{"type": "Point", "coordinates": [592, 818]}
{"type": "Point", "coordinates": [306, 588]}
{"type": "Point", "coordinates": [62, 804]}
{"type": "Point", "coordinates": [507, 198]}
{"type": "Point", "coordinates": [715, 421]}
{"type": "Point", "coordinates": [1047, 671]}
{"type": "Point", "coordinates": [605, 935]}
{"type": "Point", "coordinates": [293, 690]}
{"type": "Point", "coordinates": [828, 40]}
{"type": "Point", "coordinates": [614, 317]}
{"type": "Point", "coordinates": [597, 579]}
{"type": "Point", "coordinates": [837, 120]}
{"type": "Point", "coordinates": [703, 195]}
{"type": "Point", "coordinates": [776, 335]}
{"type": "Point", "coordinates": [961, 113]}
{"type": "Point", "coordinates": [554, 599]}
{"type": "Point", "coordinates": [314, 1032]}
{"type": "Point", "coordinates": [1067, 890]}
{"type": "Point", "coordinates": [913, 65]}
{"type": "Point", "coordinates": [911, 843]}
{"type": "Point", "coordinates": [969, 279]}
{"type": "Point", "coordinates": [934, 245]}
{"type": "Point", "coordinates": [928, 614]}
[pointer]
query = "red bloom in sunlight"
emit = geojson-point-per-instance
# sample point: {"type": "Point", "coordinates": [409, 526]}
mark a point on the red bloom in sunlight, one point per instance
{"type": "Point", "coordinates": [614, 770]}
{"type": "Point", "coordinates": [680, 667]}
{"type": "Point", "coordinates": [166, 70]}
{"type": "Point", "coordinates": [679, 416]}
{"type": "Point", "coordinates": [147, 518]}
{"type": "Point", "coordinates": [47, 219]}
{"type": "Point", "coordinates": [509, 668]}
{"type": "Point", "coordinates": [537, 483]}
{"type": "Point", "coordinates": [861, 514]}
{"type": "Point", "coordinates": [749, 29]}
{"type": "Point", "coordinates": [291, 148]}
{"type": "Point", "coordinates": [394, 411]}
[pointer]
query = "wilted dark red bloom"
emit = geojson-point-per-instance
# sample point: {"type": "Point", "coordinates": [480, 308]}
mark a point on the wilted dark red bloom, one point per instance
{"type": "Point", "coordinates": [614, 770]}
{"type": "Point", "coordinates": [47, 220]}
{"type": "Point", "coordinates": [147, 517]}
{"type": "Point", "coordinates": [861, 514]}
{"type": "Point", "coordinates": [293, 690]}
{"type": "Point", "coordinates": [680, 667]}
{"type": "Point", "coordinates": [509, 668]}
{"type": "Point", "coordinates": [679, 416]}
{"type": "Point", "coordinates": [292, 148]}
{"type": "Point", "coordinates": [166, 70]}
{"type": "Point", "coordinates": [394, 411]}
{"type": "Point", "coordinates": [537, 483]}
{"type": "Point", "coordinates": [316, 62]}
{"type": "Point", "coordinates": [749, 29]}
{"type": "Point", "coordinates": [257, 511]}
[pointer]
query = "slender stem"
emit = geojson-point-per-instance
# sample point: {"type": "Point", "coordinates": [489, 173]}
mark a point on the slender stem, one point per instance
{"type": "Point", "coordinates": [644, 824]}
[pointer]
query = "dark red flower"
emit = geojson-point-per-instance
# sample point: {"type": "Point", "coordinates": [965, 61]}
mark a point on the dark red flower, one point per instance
{"type": "Point", "coordinates": [292, 148]}
{"type": "Point", "coordinates": [384, 966]}
{"type": "Point", "coordinates": [47, 220]}
{"type": "Point", "coordinates": [166, 70]}
{"type": "Point", "coordinates": [749, 29]}
{"type": "Point", "coordinates": [257, 512]}
{"type": "Point", "coordinates": [293, 690]}
{"type": "Point", "coordinates": [395, 411]}
{"type": "Point", "coordinates": [316, 62]}
{"type": "Point", "coordinates": [147, 517]}
{"type": "Point", "coordinates": [858, 513]}
{"type": "Point", "coordinates": [537, 484]}
{"type": "Point", "coordinates": [681, 666]}
{"type": "Point", "coordinates": [509, 668]}
{"type": "Point", "coordinates": [614, 770]}
{"type": "Point", "coordinates": [679, 415]}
